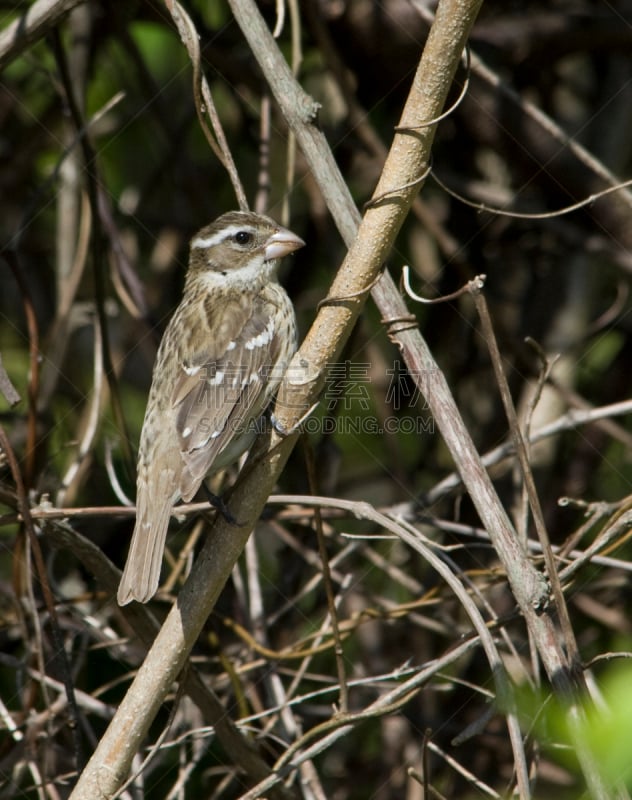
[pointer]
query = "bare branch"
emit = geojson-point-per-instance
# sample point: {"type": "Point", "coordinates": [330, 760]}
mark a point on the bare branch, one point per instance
{"type": "Point", "coordinates": [110, 762]}
{"type": "Point", "coordinates": [36, 21]}
{"type": "Point", "coordinates": [204, 103]}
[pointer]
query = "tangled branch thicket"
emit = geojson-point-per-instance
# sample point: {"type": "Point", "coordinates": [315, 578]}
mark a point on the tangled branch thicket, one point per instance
{"type": "Point", "coordinates": [372, 641]}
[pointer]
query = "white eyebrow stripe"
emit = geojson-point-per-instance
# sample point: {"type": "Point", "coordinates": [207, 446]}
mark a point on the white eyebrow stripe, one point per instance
{"type": "Point", "coordinates": [221, 236]}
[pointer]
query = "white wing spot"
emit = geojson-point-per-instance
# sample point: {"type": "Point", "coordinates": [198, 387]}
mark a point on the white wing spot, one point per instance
{"type": "Point", "coordinates": [215, 434]}
{"type": "Point", "coordinates": [217, 378]}
{"type": "Point", "coordinates": [192, 370]}
{"type": "Point", "coordinates": [252, 378]}
{"type": "Point", "coordinates": [231, 346]}
{"type": "Point", "coordinates": [187, 432]}
{"type": "Point", "coordinates": [262, 338]}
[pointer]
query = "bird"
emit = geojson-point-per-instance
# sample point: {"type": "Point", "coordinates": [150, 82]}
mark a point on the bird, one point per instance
{"type": "Point", "coordinates": [219, 363]}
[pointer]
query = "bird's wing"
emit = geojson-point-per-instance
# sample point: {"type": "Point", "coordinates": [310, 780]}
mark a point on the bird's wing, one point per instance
{"type": "Point", "coordinates": [221, 388]}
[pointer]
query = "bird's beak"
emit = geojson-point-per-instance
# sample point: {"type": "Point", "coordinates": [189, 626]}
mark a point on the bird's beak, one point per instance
{"type": "Point", "coordinates": [282, 243]}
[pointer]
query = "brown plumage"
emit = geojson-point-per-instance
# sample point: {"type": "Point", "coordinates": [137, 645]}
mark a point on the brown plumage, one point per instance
{"type": "Point", "coordinates": [220, 361]}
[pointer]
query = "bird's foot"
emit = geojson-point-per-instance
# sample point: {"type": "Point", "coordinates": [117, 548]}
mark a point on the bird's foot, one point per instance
{"type": "Point", "coordinates": [220, 506]}
{"type": "Point", "coordinates": [282, 430]}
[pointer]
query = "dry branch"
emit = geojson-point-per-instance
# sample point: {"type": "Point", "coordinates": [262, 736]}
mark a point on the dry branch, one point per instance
{"type": "Point", "coordinates": [406, 164]}
{"type": "Point", "coordinates": [31, 26]}
{"type": "Point", "coordinates": [111, 760]}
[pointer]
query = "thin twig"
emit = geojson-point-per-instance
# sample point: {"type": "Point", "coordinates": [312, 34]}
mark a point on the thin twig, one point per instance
{"type": "Point", "coordinates": [327, 582]}
{"type": "Point", "coordinates": [383, 704]}
{"type": "Point", "coordinates": [380, 197]}
{"type": "Point", "coordinates": [33, 24]}
{"type": "Point", "coordinates": [448, 112]}
{"type": "Point", "coordinates": [92, 419]}
{"type": "Point", "coordinates": [569, 421]}
{"type": "Point", "coordinates": [504, 212]}
{"type": "Point", "coordinates": [60, 655]}
{"type": "Point", "coordinates": [34, 369]}
{"type": "Point", "coordinates": [155, 748]}
{"type": "Point", "coordinates": [527, 476]}
{"type": "Point", "coordinates": [478, 282]}
{"type": "Point", "coordinates": [296, 61]}
{"type": "Point", "coordinates": [204, 103]}
{"type": "Point", "coordinates": [298, 508]}
{"type": "Point", "coordinates": [98, 256]}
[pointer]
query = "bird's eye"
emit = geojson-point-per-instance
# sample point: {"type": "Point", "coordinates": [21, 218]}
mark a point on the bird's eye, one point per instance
{"type": "Point", "coordinates": [243, 237]}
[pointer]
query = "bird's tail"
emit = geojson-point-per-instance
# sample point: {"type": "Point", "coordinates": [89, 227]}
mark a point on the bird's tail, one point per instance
{"type": "Point", "coordinates": [142, 570]}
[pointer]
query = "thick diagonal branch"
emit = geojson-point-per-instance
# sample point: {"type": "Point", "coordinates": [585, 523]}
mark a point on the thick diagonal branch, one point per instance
{"type": "Point", "coordinates": [406, 162]}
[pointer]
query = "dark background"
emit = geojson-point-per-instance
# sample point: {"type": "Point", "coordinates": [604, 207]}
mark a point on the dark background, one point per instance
{"type": "Point", "coordinates": [544, 124]}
